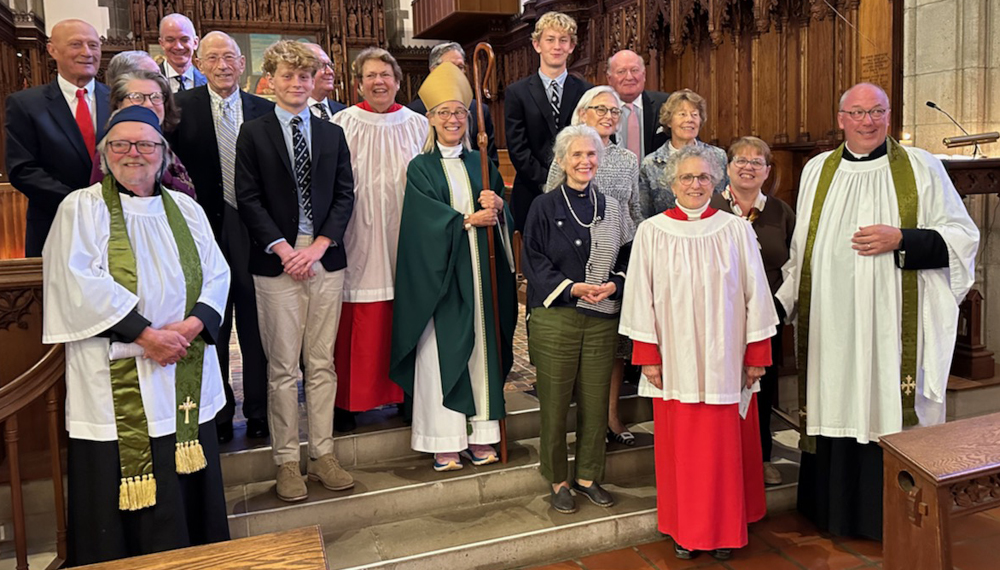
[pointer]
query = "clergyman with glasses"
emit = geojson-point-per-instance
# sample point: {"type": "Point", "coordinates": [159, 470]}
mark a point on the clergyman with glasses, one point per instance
{"type": "Point", "coordinates": [135, 286]}
{"type": "Point", "coordinates": [882, 255]}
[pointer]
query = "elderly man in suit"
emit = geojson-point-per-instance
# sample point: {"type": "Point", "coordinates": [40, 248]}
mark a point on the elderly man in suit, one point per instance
{"type": "Point", "coordinates": [52, 130]}
{"type": "Point", "coordinates": [179, 42]}
{"type": "Point", "coordinates": [538, 106]}
{"type": "Point", "coordinates": [452, 52]}
{"type": "Point", "coordinates": [321, 101]}
{"type": "Point", "coordinates": [295, 190]}
{"type": "Point", "coordinates": [637, 129]}
{"type": "Point", "coordinates": [205, 140]}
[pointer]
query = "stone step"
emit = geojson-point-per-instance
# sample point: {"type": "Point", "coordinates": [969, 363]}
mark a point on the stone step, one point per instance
{"type": "Point", "coordinates": [511, 534]}
{"type": "Point", "coordinates": [388, 440]}
{"type": "Point", "coordinates": [408, 487]}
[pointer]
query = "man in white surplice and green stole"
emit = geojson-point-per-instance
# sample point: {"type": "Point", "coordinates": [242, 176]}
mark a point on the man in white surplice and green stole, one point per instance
{"type": "Point", "coordinates": [882, 255]}
{"type": "Point", "coordinates": [445, 354]}
{"type": "Point", "coordinates": [135, 285]}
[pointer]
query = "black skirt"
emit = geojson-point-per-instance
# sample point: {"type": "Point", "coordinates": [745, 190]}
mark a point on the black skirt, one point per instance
{"type": "Point", "coordinates": [840, 487]}
{"type": "Point", "coordinates": [189, 510]}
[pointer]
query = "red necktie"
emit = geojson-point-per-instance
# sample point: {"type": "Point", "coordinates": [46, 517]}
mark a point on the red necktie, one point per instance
{"type": "Point", "coordinates": [85, 121]}
{"type": "Point", "coordinates": [633, 143]}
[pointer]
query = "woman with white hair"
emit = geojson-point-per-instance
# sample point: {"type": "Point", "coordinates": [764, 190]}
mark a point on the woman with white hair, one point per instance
{"type": "Point", "coordinates": [701, 318]}
{"type": "Point", "coordinates": [575, 252]}
{"type": "Point", "coordinates": [618, 177]}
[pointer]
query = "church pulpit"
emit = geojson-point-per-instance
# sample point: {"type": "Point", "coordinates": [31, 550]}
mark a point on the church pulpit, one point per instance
{"type": "Point", "coordinates": [931, 477]}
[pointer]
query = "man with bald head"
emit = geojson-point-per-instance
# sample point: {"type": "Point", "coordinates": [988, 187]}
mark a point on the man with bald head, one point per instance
{"type": "Point", "coordinates": [179, 42]}
{"type": "Point", "coordinates": [321, 101]}
{"type": "Point", "coordinates": [52, 129]}
{"type": "Point", "coordinates": [882, 254]}
{"type": "Point", "coordinates": [638, 129]}
{"type": "Point", "coordinates": [205, 141]}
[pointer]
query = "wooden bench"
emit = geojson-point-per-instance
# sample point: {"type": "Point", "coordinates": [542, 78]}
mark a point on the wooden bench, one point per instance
{"type": "Point", "coordinates": [301, 549]}
{"type": "Point", "coordinates": [932, 476]}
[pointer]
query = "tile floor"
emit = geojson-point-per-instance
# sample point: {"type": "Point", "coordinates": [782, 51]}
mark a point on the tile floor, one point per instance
{"type": "Point", "coordinates": [790, 542]}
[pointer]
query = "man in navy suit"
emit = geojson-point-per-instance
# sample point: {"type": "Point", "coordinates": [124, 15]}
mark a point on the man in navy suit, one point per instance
{"type": "Point", "coordinates": [639, 128]}
{"type": "Point", "coordinates": [452, 52]}
{"type": "Point", "coordinates": [205, 141]}
{"type": "Point", "coordinates": [52, 130]}
{"type": "Point", "coordinates": [321, 101]}
{"type": "Point", "coordinates": [295, 191]}
{"type": "Point", "coordinates": [538, 106]}
{"type": "Point", "coordinates": [179, 41]}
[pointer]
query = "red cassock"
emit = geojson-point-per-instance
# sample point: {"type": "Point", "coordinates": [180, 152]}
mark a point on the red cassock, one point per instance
{"type": "Point", "coordinates": [361, 357]}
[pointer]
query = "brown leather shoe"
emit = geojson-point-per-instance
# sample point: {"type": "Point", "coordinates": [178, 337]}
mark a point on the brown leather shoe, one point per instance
{"type": "Point", "coordinates": [329, 473]}
{"type": "Point", "coordinates": [291, 487]}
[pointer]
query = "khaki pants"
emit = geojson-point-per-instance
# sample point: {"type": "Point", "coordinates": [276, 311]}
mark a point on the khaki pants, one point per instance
{"type": "Point", "coordinates": [300, 318]}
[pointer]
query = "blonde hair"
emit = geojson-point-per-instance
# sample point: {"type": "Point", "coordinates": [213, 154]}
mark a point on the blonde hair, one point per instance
{"type": "Point", "coordinates": [557, 21]}
{"type": "Point", "coordinates": [431, 139]}
{"type": "Point", "coordinates": [674, 102]}
{"type": "Point", "coordinates": [752, 143]}
{"type": "Point", "coordinates": [376, 54]}
{"type": "Point", "coordinates": [294, 54]}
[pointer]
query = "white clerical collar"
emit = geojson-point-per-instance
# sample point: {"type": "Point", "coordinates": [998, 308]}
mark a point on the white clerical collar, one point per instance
{"type": "Point", "coordinates": [855, 154]}
{"type": "Point", "coordinates": [694, 214]}
{"type": "Point", "coordinates": [450, 151]}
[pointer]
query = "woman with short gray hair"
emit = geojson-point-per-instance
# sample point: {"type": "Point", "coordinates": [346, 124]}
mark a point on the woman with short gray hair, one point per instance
{"type": "Point", "coordinates": [575, 255]}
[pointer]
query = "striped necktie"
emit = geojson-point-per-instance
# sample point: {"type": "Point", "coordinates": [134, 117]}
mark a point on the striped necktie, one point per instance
{"type": "Point", "coordinates": [226, 132]}
{"type": "Point", "coordinates": [303, 167]}
{"type": "Point", "coordinates": [323, 114]}
{"type": "Point", "coordinates": [554, 99]}
{"type": "Point", "coordinates": [180, 82]}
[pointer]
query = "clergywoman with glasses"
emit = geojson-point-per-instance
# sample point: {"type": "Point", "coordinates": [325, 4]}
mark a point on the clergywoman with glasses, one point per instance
{"type": "Point", "coordinates": [617, 177]}
{"type": "Point", "coordinates": [773, 221]}
{"type": "Point", "coordinates": [150, 90]}
{"type": "Point", "coordinates": [575, 254]}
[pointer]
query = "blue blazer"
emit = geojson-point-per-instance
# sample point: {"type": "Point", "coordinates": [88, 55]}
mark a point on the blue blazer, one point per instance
{"type": "Point", "coordinates": [199, 78]}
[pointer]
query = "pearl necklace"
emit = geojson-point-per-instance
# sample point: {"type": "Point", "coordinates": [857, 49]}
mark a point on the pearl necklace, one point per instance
{"type": "Point", "coordinates": [593, 199]}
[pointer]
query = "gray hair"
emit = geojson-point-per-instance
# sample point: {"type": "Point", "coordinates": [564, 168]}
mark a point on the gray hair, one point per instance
{"type": "Point", "coordinates": [438, 51]}
{"type": "Point", "coordinates": [588, 97]}
{"type": "Point", "coordinates": [431, 139]}
{"type": "Point", "coordinates": [216, 34]}
{"type": "Point", "coordinates": [704, 152]}
{"type": "Point", "coordinates": [166, 157]}
{"type": "Point", "coordinates": [566, 138]}
{"type": "Point", "coordinates": [125, 62]}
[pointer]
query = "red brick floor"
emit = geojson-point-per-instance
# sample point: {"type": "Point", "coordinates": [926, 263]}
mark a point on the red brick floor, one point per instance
{"type": "Point", "coordinates": [789, 542]}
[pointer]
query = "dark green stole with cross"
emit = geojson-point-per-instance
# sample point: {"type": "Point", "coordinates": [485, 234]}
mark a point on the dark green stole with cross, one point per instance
{"type": "Point", "coordinates": [907, 203]}
{"type": "Point", "coordinates": [138, 487]}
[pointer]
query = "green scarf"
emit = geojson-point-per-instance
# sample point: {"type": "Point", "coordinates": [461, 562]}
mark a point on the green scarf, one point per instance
{"type": "Point", "coordinates": [907, 202]}
{"type": "Point", "coordinates": [138, 487]}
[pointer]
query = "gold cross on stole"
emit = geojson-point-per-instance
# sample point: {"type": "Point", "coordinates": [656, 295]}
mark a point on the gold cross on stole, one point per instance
{"type": "Point", "coordinates": [186, 407]}
{"type": "Point", "coordinates": [909, 385]}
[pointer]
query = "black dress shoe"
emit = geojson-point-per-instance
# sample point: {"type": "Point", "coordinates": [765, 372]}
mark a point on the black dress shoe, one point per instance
{"type": "Point", "coordinates": [682, 553]}
{"type": "Point", "coordinates": [257, 429]}
{"type": "Point", "coordinates": [563, 501]}
{"type": "Point", "coordinates": [596, 494]}
{"type": "Point", "coordinates": [224, 431]}
{"type": "Point", "coordinates": [722, 553]}
{"type": "Point", "coordinates": [343, 421]}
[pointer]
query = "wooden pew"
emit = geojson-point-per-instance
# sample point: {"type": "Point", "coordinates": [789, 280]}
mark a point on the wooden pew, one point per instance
{"type": "Point", "coordinates": [301, 549]}
{"type": "Point", "coordinates": [932, 476]}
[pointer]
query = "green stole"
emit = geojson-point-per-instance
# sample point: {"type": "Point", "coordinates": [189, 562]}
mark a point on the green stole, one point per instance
{"type": "Point", "coordinates": [138, 487]}
{"type": "Point", "coordinates": [907, 202]}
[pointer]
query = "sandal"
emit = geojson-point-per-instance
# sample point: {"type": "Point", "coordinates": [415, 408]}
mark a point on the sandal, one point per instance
{"type": "Point", "coordinates": [625, 438]}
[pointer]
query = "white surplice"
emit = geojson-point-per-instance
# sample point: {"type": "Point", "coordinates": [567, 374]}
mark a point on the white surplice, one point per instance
{"type": "Point", "coordinates": [437, 429]}
{"type": "Point", "coordinates": [81, 300]}
{"type": "Point", "coordinates": [853, 384]}
{"type": "Point", "coordinates": [382, 145]}
{"type": "Point", "coordinates": [697, 290]}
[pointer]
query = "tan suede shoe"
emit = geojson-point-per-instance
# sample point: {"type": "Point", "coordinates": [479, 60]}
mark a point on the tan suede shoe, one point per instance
{"type": "Point", "coordinates": [291, 487]}
{"type": "Point", "coordinates": [329, 473]}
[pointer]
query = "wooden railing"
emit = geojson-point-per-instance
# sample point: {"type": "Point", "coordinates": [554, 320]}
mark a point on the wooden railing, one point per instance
{"type": "Point", "coordinates": [13, 211]}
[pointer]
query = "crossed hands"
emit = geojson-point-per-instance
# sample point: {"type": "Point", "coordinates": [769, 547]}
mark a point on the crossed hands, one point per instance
{"type": "Point", "coordinates": [593, 294]}
{"type": "Point", "coordinates": [298, 263]}
{"type": "Point", "coordinates": [168, 344]}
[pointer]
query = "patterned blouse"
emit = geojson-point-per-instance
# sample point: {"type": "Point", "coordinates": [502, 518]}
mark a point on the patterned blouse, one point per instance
{"type": "Point", "coordinates": [617, 176]}
{"type": "Point", "coordinates": [655, 195]}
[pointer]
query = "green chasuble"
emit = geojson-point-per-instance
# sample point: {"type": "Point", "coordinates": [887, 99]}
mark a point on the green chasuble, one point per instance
{"type": "Point", "coordinates": [434, 279]}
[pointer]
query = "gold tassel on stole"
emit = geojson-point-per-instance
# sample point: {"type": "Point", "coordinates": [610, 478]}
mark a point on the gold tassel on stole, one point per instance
{"type": "Point", "coordinates": [136, 493]}
{"type": "Point", "coordinates": [190, 457]}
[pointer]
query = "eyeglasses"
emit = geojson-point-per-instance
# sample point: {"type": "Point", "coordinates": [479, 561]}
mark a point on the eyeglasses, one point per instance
{"type": "Point", "coordinates": [214, 60]}
{"type": "Point", "coordinates": [137, 98]}
{"type": "Point", "coordinates": [123, 147]}
{"type": "Point", "coordinates": [755, 164]}
{"type": "Point", "coordinates": [445, 114]}
{"type": "Point", "coordinates": [859, 114]}
{"type": "Point", "coordinates": [688, 179]}
{"type": "Point", "coordinates": [601, 110]}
